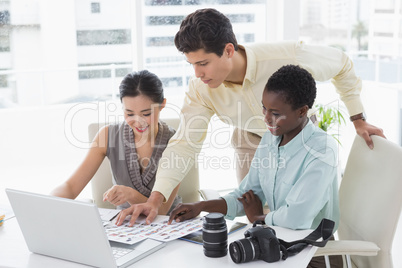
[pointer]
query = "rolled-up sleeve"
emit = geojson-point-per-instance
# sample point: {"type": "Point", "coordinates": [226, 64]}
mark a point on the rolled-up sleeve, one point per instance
{"type": "Point", "coordinates": [183, 148]}
{"type": "Point", "coordinates": [327, 63]}
{"type": "Point", "coordinates": [250, 182]}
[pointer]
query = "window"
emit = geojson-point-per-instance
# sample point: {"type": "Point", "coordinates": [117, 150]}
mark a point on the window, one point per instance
{"type": "Point", "coordinates": [105, 71]}
{"type": "Point", "coordinates": [160, 41]}
{"type": "Point", "coordinates": [3, 81]}
{"type": "Point", "coordinates": [245, 38]}
{"type": "Point", "coordinates": [121, 72]}
{"type": "Point", "coordinates": [4, 31]}
{"type": "Point", "coordinates": [201, 2]}
{"type": "Point", "coordinates": [95, 7]}
{"type": "Point", "coordinates": [94, 74]}
{"type": "Point", "coordinates": [164, 59]}
{"type": "Point", "coordinates": [164, 20]}
{"type": "Point", "coordinates": [172, 82]}
{"type": "Point", "coordinates": [4, 39]}
{"type": "Point", "coordinates": [163, 2]}
{"type": "Point", "coordinates": [94, 45]}
{"type": "Point", "coordinates": [103, 37]}
{"type": "Point", "coordinates": [383, 34]}
{"type": "Point", "coordinates": [241, 18]}
{"type": "Point", "coordinates": [4, 17]}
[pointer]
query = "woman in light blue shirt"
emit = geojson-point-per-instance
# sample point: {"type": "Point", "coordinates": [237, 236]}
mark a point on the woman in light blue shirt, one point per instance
{"type": "Point", "coordinates": [294, 168]}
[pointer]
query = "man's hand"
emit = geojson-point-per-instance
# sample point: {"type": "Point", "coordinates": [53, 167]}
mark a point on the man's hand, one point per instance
{"type": "Point", "coordinates": [184, 212]}
{"type": "Point", "coordinates": [365, 130]}
{"type": "Point", "coordinates": [252, 206]}
{"type": "Point", "coordinates": [149, 209]}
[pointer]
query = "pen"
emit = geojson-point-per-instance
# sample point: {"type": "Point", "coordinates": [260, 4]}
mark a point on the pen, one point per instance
{"type": "Point", "coordinates": [181, 213]}
{"type": "Point", "coordinates": [111, 219]}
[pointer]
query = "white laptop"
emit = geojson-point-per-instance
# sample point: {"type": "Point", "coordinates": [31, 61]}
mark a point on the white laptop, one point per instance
{"type": "Point", "coordinates": [72, 230]}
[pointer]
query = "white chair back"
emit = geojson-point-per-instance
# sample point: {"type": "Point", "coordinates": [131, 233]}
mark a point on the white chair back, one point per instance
{"type": "Point", "coordinates": [370, 198]}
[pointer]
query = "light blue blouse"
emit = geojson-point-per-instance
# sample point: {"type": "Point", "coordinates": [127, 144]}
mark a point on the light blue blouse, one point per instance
{"type": "Point", "coordinates": [298, 180]}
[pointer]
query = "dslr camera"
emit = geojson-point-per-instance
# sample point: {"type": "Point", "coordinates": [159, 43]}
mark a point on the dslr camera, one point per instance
{"type": "Point", "coordinates": [260, 242]}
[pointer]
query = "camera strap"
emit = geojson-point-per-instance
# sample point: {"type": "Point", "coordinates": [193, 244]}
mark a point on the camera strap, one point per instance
{"type": "Point", "coordinates": [324, 230]}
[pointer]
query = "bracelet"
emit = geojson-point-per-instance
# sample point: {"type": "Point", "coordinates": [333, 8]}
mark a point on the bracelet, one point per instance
{"type": "Point", "coordinates": [357, 117]}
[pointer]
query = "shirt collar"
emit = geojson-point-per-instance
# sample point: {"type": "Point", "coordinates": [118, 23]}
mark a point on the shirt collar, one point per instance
{"type": "Point", "coordinates": [297, 142]}
{"type": "Point", "coordinates": [251, 65]}
{"type": "Point", "coordinates": [300, 140]}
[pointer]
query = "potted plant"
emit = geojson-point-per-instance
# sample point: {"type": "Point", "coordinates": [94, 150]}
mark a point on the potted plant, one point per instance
{"type": "Point", "coordinates": [328, 117]}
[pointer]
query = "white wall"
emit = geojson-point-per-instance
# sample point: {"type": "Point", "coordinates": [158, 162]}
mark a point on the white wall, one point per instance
{"type": "Point", "coordinates": [382, 105]}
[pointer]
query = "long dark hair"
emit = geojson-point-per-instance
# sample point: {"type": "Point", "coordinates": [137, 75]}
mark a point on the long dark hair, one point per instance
{"type": "Point", "coordinates": [142, 83]}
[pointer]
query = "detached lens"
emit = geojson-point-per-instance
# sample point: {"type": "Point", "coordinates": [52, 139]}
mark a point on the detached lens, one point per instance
{"type": "Point", "coordinates": [244, 250]}
{"type": "Point", "coordinates": [215, 235]}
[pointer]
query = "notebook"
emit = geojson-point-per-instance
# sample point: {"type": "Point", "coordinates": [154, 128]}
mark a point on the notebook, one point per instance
{"type": "Point", "coordinates": [196, 237]}
{"type": "Point", "coordinates": [72, 230]}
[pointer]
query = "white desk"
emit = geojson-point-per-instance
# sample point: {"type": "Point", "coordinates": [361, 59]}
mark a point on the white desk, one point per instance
{"type": "Point", "coordinates": [178, 253]}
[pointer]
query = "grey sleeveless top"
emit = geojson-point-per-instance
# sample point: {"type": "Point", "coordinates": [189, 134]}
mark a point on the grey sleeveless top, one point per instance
{"type": "Point", "coordinates": [124, 162]}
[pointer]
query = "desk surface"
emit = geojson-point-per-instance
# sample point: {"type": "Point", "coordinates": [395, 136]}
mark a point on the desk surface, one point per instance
{"type": "Point", "coordinates": [178, 253]}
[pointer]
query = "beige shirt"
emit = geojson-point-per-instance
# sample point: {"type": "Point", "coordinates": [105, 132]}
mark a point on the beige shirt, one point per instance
{"type": "Point", "coordinates": [240, 105]}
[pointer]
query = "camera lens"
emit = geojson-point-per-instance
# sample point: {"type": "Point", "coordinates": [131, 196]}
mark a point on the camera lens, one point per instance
{"type": "Point", "coordinates": [244, 250]}
{"type": "Point", "coordinates": [215, 235]}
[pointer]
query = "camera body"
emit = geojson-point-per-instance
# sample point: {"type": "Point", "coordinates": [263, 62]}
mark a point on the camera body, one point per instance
{"type": "Point", "coordinates": [268, 242]}
{"type": "Point", "coordinates": [260, 242]}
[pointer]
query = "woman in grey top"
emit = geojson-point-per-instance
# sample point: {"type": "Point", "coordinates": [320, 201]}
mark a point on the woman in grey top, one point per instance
{"type": "Point", "coordinates": [133, 147]}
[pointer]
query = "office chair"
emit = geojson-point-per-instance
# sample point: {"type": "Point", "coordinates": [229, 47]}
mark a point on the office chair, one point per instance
{"type": "Point", "coordinates": [102, 179]}
{"type": "Point", "coordinates": [370, 205]}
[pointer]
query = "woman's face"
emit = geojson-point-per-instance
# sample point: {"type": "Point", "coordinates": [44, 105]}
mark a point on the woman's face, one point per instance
{"type": "Point", "coordinates": [279, 116]}
{"type": "Point", "coordinates": [142, 114]}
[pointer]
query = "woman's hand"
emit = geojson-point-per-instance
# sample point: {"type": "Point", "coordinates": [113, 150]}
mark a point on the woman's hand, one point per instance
{"type": "Point", "coordinates": [118, 195]}
{"type": "Point", "coordinates": [184, 212]}
{"type": "Point", "coordinates": [252, 206]}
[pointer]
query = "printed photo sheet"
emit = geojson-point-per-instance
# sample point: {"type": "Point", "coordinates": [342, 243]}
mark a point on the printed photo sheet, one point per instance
{"type": "Point", "coordinates": [158, 230]}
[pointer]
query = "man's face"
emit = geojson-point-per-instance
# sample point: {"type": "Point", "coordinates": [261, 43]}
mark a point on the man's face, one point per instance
{"type": "Point", "coordinates": [209, 67]}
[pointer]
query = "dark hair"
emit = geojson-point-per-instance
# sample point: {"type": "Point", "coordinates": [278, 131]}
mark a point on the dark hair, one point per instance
{"type": "Point", "coordinates": [142, 83]}
{"type": "Point", "coordinates": [206, 29]}
{"type": "Point", "coordinates": [295, 84]}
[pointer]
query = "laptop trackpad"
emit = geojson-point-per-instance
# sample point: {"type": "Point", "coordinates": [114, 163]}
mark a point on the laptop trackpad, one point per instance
{"type": "Point", "coordinates": [140, 250]}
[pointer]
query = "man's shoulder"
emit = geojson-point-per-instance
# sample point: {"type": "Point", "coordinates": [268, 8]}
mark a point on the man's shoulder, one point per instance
{"type": "Point", "coordinates": [264, 46]}
{"type": "Point", "coordinates": [268, 51]}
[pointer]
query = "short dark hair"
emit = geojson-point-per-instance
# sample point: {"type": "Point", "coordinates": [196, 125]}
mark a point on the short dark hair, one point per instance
{"type": "Point", "coordinates": [142, 83]}
{"type": "Point", "coordinates": [295, 84]}
{"type": "Point", "coordinates": [206, 29]}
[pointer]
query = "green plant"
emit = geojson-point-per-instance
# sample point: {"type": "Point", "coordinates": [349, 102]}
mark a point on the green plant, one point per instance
{"type": "Point", "coordinates": [328, 117]}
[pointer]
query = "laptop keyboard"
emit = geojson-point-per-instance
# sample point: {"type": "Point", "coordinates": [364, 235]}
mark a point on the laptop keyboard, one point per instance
{"type": "Point", "coordinates": [120, 252]}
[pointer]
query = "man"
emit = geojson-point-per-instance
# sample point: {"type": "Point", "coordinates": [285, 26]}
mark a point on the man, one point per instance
{"type": "Point", "coordinates": [229, 82]}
